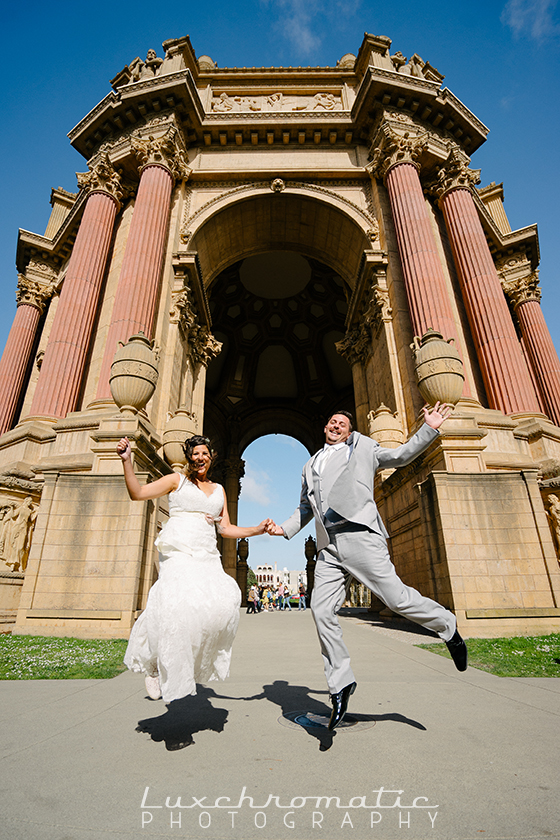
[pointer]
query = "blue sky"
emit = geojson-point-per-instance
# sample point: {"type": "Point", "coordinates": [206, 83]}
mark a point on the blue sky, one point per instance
{"type": "Point", "coordinates": [500, 58]}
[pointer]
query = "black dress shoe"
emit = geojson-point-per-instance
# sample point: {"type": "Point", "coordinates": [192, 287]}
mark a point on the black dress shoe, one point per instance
{"type": "Point", "coordinates": [458, 650]}
{"type": "Point", "coordinates": [340, 704]}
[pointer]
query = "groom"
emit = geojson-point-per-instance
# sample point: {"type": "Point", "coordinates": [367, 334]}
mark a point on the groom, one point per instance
{"type": "Point", "coordinates": [337, 490]}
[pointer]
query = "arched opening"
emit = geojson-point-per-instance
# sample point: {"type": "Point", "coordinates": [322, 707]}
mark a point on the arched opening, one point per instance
{"type": "Point", "coordinates": [271, 488]}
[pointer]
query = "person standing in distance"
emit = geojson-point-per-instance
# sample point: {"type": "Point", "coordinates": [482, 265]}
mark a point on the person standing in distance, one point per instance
{"type": "Point", "coordinates": [337, 490]}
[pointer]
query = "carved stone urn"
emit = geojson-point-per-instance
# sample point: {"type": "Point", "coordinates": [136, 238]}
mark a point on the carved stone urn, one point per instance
{"type": "Point", "coordinates": [179, 426]}
{"type": "Point", "coordinates": [134, 374]}
{"type": "Point", "coordinates": [385, 427]}
{"type": "Point", "coordinates": [439, 369]}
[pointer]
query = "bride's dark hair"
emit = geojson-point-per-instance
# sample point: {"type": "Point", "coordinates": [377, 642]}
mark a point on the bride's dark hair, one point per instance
{"type": "Point", "coordinates": [188, 446]}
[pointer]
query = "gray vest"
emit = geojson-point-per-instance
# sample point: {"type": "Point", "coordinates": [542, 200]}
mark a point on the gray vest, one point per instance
{"type": "Point", "coordinates": [322, 484]}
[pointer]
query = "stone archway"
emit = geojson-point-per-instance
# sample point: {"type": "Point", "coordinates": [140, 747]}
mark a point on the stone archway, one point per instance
{"type": "Point", "coordinates": [279, 270]}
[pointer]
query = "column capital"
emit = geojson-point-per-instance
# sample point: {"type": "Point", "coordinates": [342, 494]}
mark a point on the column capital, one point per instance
{"type": "Point", "coordinates": [522, 289]}
{"type": "Point", "coordinates": [203, 346]}
{"type": "Point", "coordinates": [32, 293]}
{"type": "Point", "coordinates": [102, 177]}
{"type": "Point", "coordinates": [454, 174]}
{"type": "Point", "coordinates": [167, 151]}
{"type": "Point", "coordinates": [390, 147]}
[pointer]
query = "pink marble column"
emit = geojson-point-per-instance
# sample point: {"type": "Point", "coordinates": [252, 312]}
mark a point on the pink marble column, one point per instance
{"type": "Point", "coordinates": [139, 282]}
{"type": "Point", "coordinates": [426, 289]}
{"type": "Point", "coordinates": [63, 365]}
{"type": "Point", "coordinates": [15, 362]}
{"type": "Point", "coordinates": [506, 377]}
{"type": "Point", "coordinates": [542, 354]}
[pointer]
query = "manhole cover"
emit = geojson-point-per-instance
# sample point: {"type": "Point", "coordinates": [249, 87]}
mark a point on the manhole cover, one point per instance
{"type": "Point", "coordinates": [316, 721]}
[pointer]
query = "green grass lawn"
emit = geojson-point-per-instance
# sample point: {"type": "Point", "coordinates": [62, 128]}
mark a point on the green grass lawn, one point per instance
{"type": "Point", "coordinates": [520, 656]}
{"type": "Point", "coordinates": [46, 658]}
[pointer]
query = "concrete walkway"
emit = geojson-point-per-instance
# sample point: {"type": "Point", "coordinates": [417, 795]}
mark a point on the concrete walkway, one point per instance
{"type": "Point", "coordinates": [434, 753]}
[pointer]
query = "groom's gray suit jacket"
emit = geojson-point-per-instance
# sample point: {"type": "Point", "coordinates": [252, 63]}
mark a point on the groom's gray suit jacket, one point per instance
{"type": "Point", "coordinates": [350, 496]}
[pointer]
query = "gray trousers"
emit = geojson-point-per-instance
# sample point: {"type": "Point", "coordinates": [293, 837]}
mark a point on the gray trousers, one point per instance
{"type": "Point", "coordinates": [364, 555]}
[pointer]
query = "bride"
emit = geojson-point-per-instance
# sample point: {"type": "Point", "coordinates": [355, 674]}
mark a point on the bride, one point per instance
{"type": "Point", "coordinates": [185, 634]}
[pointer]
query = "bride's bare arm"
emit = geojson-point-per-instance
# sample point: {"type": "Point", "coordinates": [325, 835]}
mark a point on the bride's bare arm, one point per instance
{"type": "Point", "coordinates": [226, 529]}
{"type": "Point", "coordinates": [140, 492]}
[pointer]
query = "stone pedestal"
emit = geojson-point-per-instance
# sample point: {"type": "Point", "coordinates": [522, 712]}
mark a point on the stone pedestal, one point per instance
{"type": "Point", "coordinates": [93, 559]}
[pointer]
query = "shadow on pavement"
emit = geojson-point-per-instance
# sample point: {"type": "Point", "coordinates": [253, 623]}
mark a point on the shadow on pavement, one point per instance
{"type": "Point", "coordinates": [183, 718]}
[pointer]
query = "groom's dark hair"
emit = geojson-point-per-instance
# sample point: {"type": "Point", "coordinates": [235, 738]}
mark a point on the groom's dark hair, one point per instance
{"type": "Point", "coordinates": [346, 414]}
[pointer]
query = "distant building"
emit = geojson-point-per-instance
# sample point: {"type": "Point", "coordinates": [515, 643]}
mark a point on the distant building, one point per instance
{"type": "Point", "coordinates": [272, 576]}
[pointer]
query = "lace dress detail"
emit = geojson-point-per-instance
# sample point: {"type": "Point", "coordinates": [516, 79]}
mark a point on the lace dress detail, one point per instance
{"type": "Point", "coordinates": [187, 629]}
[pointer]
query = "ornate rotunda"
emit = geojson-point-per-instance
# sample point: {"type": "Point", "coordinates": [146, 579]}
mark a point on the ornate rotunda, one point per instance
{"type": "Point", "coordinates": [274, 239]}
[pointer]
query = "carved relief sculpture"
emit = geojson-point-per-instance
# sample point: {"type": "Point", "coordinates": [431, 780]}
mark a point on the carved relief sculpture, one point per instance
{"type": "Point", "coordinates": [16, 528]}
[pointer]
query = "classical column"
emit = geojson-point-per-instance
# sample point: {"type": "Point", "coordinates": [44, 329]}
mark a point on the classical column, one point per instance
{"type": "Point", "coordinates": [61, 374]}
{"type": "Point", "coordinates": [506, 376]}
{"type": "Point", "coordinates": [395, 159]}
{"type": "Point", "coordinates": [162, 160]}
{"type": "Point", "coordinates": [31, 298]}
{"type": "Point", "coordinates": [525, 295]}
{"type": "Point", "coordinates": [234, 470]}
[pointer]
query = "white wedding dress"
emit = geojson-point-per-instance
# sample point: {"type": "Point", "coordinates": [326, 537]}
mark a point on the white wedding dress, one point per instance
{"type": "Point", "coordinates": [186, 632]}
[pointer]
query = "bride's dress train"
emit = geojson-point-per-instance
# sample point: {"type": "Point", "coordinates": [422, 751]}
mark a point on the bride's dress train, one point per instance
{"type": "Point", "coordinates": [187, 629]}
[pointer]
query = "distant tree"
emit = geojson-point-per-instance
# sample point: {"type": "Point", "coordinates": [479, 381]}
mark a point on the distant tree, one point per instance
{"type": "Point", "coordinates": [251, 578]}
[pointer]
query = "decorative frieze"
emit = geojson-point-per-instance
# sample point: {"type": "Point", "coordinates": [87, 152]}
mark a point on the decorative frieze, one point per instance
{"type": "Point", "coordinates": [275, 102]}
{"type": "Point", "coordinates": [167, 151]}
{"type": "Point", "coordinates": [102, 177]}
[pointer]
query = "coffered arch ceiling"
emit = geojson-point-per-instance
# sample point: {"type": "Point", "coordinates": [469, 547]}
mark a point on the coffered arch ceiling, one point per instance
{"type": "Point", "coordinates": [280, 221]}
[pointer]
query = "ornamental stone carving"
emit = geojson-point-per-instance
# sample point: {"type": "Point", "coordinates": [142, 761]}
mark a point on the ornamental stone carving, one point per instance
{"type": "Point", "coordinates": [182, 311]}
{"type": "Point", "coordinates": [167, 151]}
{"type": "Point", "coordinates": [180, 425]}
{"type": "Point", "coordinates": [385, 427]}
{"type": "Point", "coordinates": [454, 174]}
{"type": "Point", "coordinates": [522, 289]}
{"type": "Point", "coordinates": [390, 148]}
{"type": "Point", "coordinates": [438, 367]}
{"type": "Point", "coordinates": [102, 177]}
{"type": "Point", "coordinates": [355, 346]}
{"type": "Point", "coordinates": [31, 293]}
{"type": "Point", "coordinates": [134, 374]}
{"type": "Point", "coordinates": [204, 347]}
{"type": "Point", "coordinates": [553, 513]}
{"type": "Point", "coordinates": [17, 521]}
{"type": "Point", "coordinates": [226, 104]}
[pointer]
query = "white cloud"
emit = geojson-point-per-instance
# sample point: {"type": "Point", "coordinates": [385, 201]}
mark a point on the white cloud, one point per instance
{"type": "Point", "coordinates": [531, 18]}
{"type": "Point", "coordinates": [255, 485]}
{"type": "Point", "coordinates": [301, 22]}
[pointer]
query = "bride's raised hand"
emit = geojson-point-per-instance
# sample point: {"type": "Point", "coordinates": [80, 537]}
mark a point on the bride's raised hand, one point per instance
{"type": "Point", "coordinates": [124, 448]}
